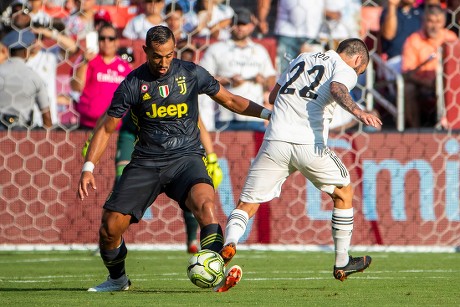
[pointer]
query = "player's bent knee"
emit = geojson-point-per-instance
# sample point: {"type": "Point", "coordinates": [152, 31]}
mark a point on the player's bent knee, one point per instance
{"type": "Point", "coordinates": [343, 197]}
{"type": "Point", "coordinates": [107, 239]}
{"type": "Point", "coordinates": [113, 225]}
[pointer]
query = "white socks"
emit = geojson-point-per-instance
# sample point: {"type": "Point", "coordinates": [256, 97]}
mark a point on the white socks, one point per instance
{"type": "Point", "coordinates": [236, 226]}
{"type": "Point", "coordinates": [342, 228]}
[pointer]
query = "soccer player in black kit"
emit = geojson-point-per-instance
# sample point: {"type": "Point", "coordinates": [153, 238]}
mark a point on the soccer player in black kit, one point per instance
{"type": "Point", "coordinates": [162, 98]}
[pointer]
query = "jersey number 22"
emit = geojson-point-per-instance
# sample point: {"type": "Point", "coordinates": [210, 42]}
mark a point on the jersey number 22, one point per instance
{"type": "Point", "coordinates": [307, 91]}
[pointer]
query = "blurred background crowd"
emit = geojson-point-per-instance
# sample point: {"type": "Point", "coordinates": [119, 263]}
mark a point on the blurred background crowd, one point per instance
{"type": "Point", "coordinates": [61, 60]}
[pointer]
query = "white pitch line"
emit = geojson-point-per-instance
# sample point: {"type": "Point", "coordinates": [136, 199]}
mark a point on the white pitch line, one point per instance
{"type": "Point", "coordinates": [256, 279]}
{"type": "Point", "coordinates": [145, 277]}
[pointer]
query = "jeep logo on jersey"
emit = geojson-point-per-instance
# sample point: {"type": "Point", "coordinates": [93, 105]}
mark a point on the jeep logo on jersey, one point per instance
{"type": "Point", "coordinates": [177, 110]}
{"type": "Point", "coordinates": [164, 91]}
{"type": "Point", "coordinates": [183, 86]}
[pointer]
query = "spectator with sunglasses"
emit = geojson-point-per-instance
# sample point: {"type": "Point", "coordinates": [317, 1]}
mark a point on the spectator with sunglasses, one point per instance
{"type": "Point", "coordinates": [97, 76]}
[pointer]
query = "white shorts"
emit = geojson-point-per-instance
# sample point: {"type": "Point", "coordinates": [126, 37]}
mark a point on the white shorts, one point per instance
{"type": "Point", "coordinates": [276, 160]}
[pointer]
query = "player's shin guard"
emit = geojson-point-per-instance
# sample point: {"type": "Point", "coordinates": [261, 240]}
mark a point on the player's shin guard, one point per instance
{"type": "Point", "coordinates": [236, 226]}
{"type": "Point", "coordinates": [114, 260]}
{"type": "Point", "coordinates": [342, 228]}
{"type": "Point", "coordinates": [211, 237]}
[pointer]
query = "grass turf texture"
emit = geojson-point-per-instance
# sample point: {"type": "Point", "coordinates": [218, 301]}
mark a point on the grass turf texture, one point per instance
{"type": "Point", "coordinates": [269, 279]}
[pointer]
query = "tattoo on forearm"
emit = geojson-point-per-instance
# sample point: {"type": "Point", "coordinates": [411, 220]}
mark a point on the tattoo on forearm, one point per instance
{"type": "Point", "coordinates": [340, 94]}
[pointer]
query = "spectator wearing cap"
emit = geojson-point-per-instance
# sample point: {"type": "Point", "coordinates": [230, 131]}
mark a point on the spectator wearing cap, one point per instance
{"type": "Point", "coordinates": [100, 18]}
{"type": "Point", "coordinates": [97, 77]}
{"type": "Point", "coordinates": [20, 87]}
{"type": "Point", "coordinates": [152, 16]}
{"type": "Point", "coordinates": [244, 68]}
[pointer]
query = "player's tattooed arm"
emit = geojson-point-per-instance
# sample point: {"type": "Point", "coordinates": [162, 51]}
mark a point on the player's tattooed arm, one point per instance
{"type": "Point", "coordinates": [341, 95]}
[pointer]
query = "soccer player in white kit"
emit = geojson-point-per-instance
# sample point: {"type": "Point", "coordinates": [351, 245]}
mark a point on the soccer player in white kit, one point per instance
{"type": "Point", "coordinates": [304, 99]}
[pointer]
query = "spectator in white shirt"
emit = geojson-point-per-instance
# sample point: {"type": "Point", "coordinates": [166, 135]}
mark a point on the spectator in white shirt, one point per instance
{"type": "Point", "coordinates": [214, 19]}
{"type": "Point", "coordinates": [152, 16]}
{"type": "Point", "coordinates": [244, 68]}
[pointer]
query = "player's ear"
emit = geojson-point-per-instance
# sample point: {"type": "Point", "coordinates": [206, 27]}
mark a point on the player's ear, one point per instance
{"type": "Point", "coordinates": [145, 48]}
{"type": "Point", "coordinates": [358, 60]}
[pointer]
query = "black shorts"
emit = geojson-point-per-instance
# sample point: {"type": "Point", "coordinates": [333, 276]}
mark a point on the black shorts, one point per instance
{"type": "Point", "coordinates": [142, 182]}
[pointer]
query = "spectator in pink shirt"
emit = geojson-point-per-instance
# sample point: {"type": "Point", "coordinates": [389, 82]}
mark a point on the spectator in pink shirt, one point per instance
{"type": "Point", "coordinates": [97, 77]}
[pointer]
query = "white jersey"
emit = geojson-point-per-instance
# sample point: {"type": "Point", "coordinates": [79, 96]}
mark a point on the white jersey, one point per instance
{"type": "Point", "coordinates": [304, 106]}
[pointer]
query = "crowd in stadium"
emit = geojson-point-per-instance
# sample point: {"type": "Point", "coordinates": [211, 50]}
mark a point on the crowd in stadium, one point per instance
{"type": "Point", "coordinates": [82, 50]}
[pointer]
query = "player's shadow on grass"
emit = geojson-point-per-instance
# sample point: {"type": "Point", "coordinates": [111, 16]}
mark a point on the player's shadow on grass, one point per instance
{"type": "Point", "coordinates": [40, 289]}
{"type": "Point", "coordinates": [177, 291]}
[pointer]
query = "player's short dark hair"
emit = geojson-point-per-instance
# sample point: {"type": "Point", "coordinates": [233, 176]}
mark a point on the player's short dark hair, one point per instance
{"type": "Point", "coordinates": [352, 46]}
{"type": "Point", "coordinates": [159, 35]}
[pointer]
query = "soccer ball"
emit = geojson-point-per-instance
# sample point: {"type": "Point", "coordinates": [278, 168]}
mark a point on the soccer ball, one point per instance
{"type": "Point", "coordinates": [206, 269]}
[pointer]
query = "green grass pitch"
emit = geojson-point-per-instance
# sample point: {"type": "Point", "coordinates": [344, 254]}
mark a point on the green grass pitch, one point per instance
{"type": "Point", "coordinates": [269, 279]}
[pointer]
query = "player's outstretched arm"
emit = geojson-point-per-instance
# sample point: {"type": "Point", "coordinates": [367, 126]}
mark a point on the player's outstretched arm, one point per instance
{"type": "Point", "coordinates": [240, 104]}
{"type": "Point", "coordinates": [341, 95]}
{"type": "Point", "coordinates": [96, 148]}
